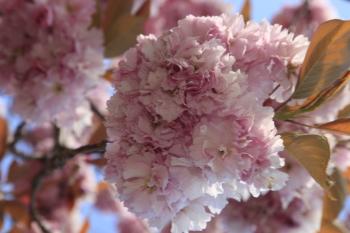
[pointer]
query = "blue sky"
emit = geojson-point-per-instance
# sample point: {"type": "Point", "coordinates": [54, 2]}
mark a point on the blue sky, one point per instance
{"type": "Point", "coordinates": [267, 8]}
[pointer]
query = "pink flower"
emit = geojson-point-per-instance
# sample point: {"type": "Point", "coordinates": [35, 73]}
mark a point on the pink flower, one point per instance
{"type": "Point", "coordinates": [304, 19]}
{"type": "Point", "coordinates": [294, 209]}
{"type": "Point", "coordinates": [49, 58]}
{"type": "Point", "coordinates": [168, 12]}
{"type": "Point", "coordinates": [270, 56]}
{"type": "Point", "coordinates": [127, 222]}
{"type": "Point", "coordinates": [341, 157]}
{"type": "Point", "coordinates": [186, 131]}
{"type": "Point", "coordinates": [60, 192]}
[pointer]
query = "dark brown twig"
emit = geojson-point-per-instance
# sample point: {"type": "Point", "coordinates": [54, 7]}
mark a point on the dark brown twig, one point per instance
{"type": "Point", "coordinates": [16, 138]}
{"type": "Point", "coordinates": [60, 156]}
{"type": "Point", "coordinates": [90, 149]}
{"type": "Point", "coordinates": [96, 111]}
{"type": "Point", "coordinates": [32, 206]}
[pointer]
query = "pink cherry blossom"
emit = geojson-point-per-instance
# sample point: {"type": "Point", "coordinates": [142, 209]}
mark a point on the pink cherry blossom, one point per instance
{"type": "Point", "coordinates": [49, 58]}
{"type": "Point", "coordinates": [341, 157]}
{"type": "Point", "coordinates": [270, 56]}
{"type": "Point", "coordinates": [297, 208]}
{"type": "Point", "coordinates": [186, 130]}
{"type": "Point", "coordinates": [166, 13]}
{"type": "Point", "coordinates": [127, 222]}
{"type": "Point", "coordinates": [60, 192]}
{"type": "Point", "coordinates": [305, 18]}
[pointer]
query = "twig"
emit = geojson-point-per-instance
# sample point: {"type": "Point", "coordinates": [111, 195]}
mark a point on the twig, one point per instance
{"type": "Point", "coordinates": [97, 112]}
{"type": "Point", "coordinates": [89, 149]}
{"type": "Point", "coordinates": [56, 134]}
{"type": "Point", "coordinates": [52, 163]}
{"type": "Point", "coordinates": [302, 124]}
{"type": "Point", "coordinates": [18, 133]}
{"type": "Point", "coordinates": [12, 146]}
{"type": "Point", "coordinates": [32, 206]}
{"type": "Point", "coordinates": [284, 103]}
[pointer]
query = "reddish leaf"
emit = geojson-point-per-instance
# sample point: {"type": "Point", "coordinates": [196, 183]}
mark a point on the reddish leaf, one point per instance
{"type": "Point", "coordinates": [314, 101]}
{"type": "Point", "coordinates": [330, 228]}
{"type": "Point", "coordinates": [17, 210]}
{"type": "Point", "coordinates": [312, 152]}
{"type": "Point", "coordinates": [346, 175]}
{"type": "Point", "coordinates": [327, 58]}
{"type": "Point", "coordinates": [108, 75]}
{"type": "Point", "coordinates": [100, 162]}
{"type": "Point", "coordinates": [3, 136]}
{"type": "Point", "coordinates": [121, 27]}
{"type": "Point", "coordinates": [246, 10]}
{"type": "Point", "coordinates": [333, 206]}
{"type": "Point", "coordinates": [86, 226]}
{"type": "Point", "coordinates": [99, 133]}
{"type": "Point", "coordinates": [341, 125]}
{"type": "Point", "coordinates": [345, 112]}
{"type": "Point", "coordinates": [102, 186]}
{"type": "Point", "coordinates": [1, 218]}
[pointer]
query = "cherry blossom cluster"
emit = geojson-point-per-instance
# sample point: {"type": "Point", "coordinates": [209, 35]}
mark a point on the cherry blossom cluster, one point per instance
{"type": "Point", "coordinates": [60, 193]}
{"type": "Point", "coordinates": [49, 57]}
{"type": "Point", "coordinates": [188, 128]}
{"type": "Point", "coordinates": [166, 13]}
{"type": "Point", "coordinates": [106, 201]}
{"type": "Point", "coordinates": [305, 17]}
{"type": "Point", "coordinates": [295, 208]}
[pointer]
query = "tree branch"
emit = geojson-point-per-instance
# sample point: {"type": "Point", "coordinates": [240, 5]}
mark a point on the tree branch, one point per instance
{"type": "Point", "coordinates": [60, 156]}
{"type": "Point", "coordinates": [96, 111]}
{"type": "Point", "coordinates": [90, 149]}
{"type": "Point", "coordinates": [32, 206]}
{"type": "Point", "coordinates": [16, 138]}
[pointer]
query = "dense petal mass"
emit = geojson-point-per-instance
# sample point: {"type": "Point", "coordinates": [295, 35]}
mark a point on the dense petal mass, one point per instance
{"type": "Point", "coordinates": [270, 56]}
{"type": "Point", "coordinates": [48, 57]}
{"type": "Point", "coordinates": [186, 130]}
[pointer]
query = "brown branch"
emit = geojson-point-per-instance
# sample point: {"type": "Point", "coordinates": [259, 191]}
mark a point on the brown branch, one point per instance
{"type": "Point", "coordinates": [32, 205]}
{"type": "Point", "coordinates": [16, 138]}
{"type": "Point", "coordinates": [96, 111]}
{"type": "Point", "coordinates": [52, 163]}
{"type": "Point", "coordinates": [89, 149]}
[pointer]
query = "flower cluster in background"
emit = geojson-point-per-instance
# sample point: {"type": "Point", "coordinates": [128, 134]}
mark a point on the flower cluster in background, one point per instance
{"type": "Point", "coordinates": [49, 57]}
{"type": "Point", "coordinates": [181, 133]}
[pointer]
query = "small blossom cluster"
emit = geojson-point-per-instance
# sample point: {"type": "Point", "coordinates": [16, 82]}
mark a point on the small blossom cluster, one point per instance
{"type": "Point", "coordinates": [296, 208]}
{"type": "Point", "coordinates": [168, 12]}
{"type": "Point", "coordinates": [127, 222]}
{"type": "Point", "coordinates": [305, 17]}
{"type": "Point", "coordinates": [188, 128]}
{"type": "Point", "coordinates": [49, 58]}
{"type": "Point", "coordinates": [60, 192]}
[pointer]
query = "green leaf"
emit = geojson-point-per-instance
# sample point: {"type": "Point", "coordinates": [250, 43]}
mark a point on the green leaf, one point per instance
{"type": "Point", "coordinates": [312, 152]}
